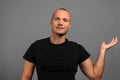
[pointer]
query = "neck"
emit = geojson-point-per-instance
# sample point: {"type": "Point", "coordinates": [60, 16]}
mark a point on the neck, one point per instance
{"type": "Point", "coordinates": [55, 39]}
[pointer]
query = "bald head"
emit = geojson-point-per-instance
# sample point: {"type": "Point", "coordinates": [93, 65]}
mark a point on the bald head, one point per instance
{"type": "Point", "coordinates": [58, 10]}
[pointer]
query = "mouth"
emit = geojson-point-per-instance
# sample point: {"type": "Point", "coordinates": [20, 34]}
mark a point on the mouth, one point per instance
{"type": "Point", "coordinates": [59, 27]}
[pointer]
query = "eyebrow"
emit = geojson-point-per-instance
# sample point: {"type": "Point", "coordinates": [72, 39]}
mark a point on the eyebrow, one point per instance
{"type": "Point", "coordinates": [59, 17]}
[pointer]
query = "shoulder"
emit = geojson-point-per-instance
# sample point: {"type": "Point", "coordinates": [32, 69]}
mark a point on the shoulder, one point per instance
{"type": "Point", "coordinates": [40, 42]}
{"type": "Point", "coordinates": [75, 44]}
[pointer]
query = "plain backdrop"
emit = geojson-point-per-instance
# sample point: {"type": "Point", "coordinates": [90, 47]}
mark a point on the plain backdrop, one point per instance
{"type": "Point", "coordinates": [24, 21]}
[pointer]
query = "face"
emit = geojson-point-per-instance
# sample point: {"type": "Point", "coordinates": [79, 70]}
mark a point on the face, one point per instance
{"type": "Point", "coordinates": [60, 22]}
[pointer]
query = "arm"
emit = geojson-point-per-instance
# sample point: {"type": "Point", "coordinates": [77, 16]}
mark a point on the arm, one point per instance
{"type": "Point", "coordinates": [28, 70]}
{"type": "Point", "coordinates": [95, 71]}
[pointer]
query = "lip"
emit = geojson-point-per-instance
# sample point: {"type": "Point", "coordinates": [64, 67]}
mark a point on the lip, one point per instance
{"type": "Point", "coordinates": [59, 27]}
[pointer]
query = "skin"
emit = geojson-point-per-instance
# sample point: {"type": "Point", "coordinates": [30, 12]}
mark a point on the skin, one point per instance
{"type": "Point", "coordinates": [60, 24]}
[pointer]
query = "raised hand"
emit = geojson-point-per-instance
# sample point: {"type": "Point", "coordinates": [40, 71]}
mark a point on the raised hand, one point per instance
{"type": "Point", "coordinates": [105, 47]}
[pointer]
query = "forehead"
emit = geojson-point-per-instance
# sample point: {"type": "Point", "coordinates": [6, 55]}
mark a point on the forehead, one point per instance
{"type": "Point", "coordinates": [61, 13]}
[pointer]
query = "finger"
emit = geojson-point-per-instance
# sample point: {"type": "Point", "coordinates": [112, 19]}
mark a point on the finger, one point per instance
{"type": "Point", "coordinates": [114, 41]}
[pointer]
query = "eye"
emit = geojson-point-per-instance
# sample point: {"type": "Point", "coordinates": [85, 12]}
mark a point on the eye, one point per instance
{"type": "Point", "coordinates": [56, 18]}
{"type": "Point", "coordinates": [65, 20]}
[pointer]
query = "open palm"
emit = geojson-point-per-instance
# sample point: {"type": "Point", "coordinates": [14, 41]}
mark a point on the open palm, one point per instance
{"type": "Point", "coordinates": [105, 46]}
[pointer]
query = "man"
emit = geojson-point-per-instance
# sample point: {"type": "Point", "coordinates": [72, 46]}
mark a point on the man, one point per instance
{"type": "Point", "coordinates": [57, 58]}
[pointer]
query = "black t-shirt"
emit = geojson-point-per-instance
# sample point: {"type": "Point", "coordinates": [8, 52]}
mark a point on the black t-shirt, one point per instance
{"type": "Point", "coordinates": [56, 62]}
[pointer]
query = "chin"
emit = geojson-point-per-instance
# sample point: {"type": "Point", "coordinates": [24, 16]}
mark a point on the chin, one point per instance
{"type": "Point", "coordinates": [61, 34]}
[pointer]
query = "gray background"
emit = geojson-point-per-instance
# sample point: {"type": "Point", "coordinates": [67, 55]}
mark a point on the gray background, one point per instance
{"type": "Point", "coordinates": [24, 21]}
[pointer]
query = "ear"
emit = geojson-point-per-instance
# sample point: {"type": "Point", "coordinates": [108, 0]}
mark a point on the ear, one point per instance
{"type": "Point", "coordinates": [50, 22]}
{"type": "Point", "coordinates": [69, 26]}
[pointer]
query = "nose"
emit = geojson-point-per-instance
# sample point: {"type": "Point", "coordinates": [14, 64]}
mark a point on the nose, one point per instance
{"type": "Point", "coordinates": [60, 23]}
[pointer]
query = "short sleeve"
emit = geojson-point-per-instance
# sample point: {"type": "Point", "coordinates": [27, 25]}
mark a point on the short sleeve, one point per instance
{"type": "Point", "coordinates": [83, 54]}
{"type": "Point", "coordinates": [29, 56]}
